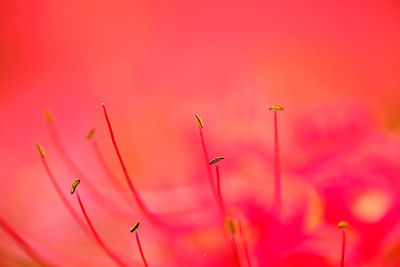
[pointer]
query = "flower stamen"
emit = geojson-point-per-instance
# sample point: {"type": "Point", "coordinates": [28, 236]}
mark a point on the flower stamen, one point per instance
{"type": "Point", "coordinates": [228, 222]}
{"type": "Point", "coordinates": [135, 194]}
{"type": "Point", "coordinates": [69, 162]}
{"type": "Point", "coordinates": [245, 245]}
{"type": "Point", "coordinates": [199, 120]}
{"type": "Point", "coordinates": [90, 134]}
{"type": "Point", "coordinates": [232, 231]}
{"type": "Point", "coordinates": [58, 189]}
{"type": "Point", "coordinates": [134, 229]}
{"type": "Point", "coordinates": [100, 241]}
{"type": "Point", "coordinates": [277, 169]}
{"type": "Point", "coordinates": [343, 225]}
{"type": "Point", "coordinates": [206, 157]}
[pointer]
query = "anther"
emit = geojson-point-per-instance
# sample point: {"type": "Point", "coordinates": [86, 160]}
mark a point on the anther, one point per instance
{"type": "Point", "coordinates": [48, 115]}
{"type": "Point", "coordinates": [343, 224]}
{"type": "Point", "coordinates": [275, 107]}
{"type": "Point", "coordinates": [74, 185]}
{"type": "Point", "coordinates": [134, 227]}
{"type": "Point", "coordinates": [90, 134]}
{"type": "Point", "coordinates": [41, 151]}
{"type": "Point", "coordinates": [230, 226]}
{"type": "Point", "coordinates": [199, 120]}
{"type": "Point", "coordinates": [213, 161]}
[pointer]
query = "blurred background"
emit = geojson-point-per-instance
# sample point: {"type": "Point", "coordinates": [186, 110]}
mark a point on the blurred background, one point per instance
{"type": "Point", "coordinates": [333, 66]}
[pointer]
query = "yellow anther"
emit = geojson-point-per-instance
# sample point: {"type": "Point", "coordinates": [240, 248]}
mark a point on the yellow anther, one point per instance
{"type": "Point", "coordinates": [74, 185]}
{"type": "Point", "coordinates": [230, 226]}
{"type": "Point", "coordinates": [134, 227]}
{"type": "Point", "coordinates": [48, 115]}
{"type": "Point", "coordinates": [343, 224]}
{"type": "Point", "coordinates": [199, 120]}
{"type": "Point", "coordinates": [41, 151]}
{"type": "Point", "coordinates": [216, 160]}
{"type": "Point", "coordinates": [90, 134]}
{"type": "Point", "coordinates": [275, 107]}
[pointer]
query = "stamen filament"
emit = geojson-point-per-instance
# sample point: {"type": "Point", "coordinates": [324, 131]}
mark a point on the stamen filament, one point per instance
{"type": "Point", "coordinates": [235, 250]}
{"type": "Point", "coordinates": [101, 243]}
{"type": "Point", "coordinates": [221, 206]}
{"type": "Point", "coordinates": [69, 162]}
{"type": "Point", "coordinates": [23, 244]}
{"type": "Point", "coordinates": [220, 199]}
{"type": "Point", "coordinates": [60, 192]}
{"type": "Point", "coordinates": [232, 232]}
{"type": "Point", "coordinates": [277, 168]}
{"type": "Point", "coordinates": [135, 194]}
{"type": "Point", "coordinates": [206, 158]}
{"type": "Point", "coordinates": [344, 226]}
{"type": "Point", "coordinates": [140, 249]}
{"type": "Point", "coordinates": [245, 245]}
{"type": "Point", "coordinates": [134, 229]}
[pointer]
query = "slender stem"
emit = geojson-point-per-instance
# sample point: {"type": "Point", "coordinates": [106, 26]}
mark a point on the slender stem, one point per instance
{"type": "Point", "coordinates": [63, 198]}
{"type": "Point", "coordinates": [74, 169]}
{"type": "Point", "coordinates": [223, 216]}
{"type": "Point", "coordinates": [207, 160]}
{"type": "Point", "coordinates": [124, 169]}
{"type": "Point", "coordinates": [135, 194]}
{"type": "Point", "coordinates": [111, 254]}
{"type": "Point", "coordinates": [219, 194]}
{"type": "Point", "coordinates": [277, 169]}
{"type": "Point", "coordinates": [244, 241]}
{"type": "Point", "coordinates": [343, 246]}
{"type": "Point", "coordinates": [140, 249]}
{"type": "Point", "coordinates": [235, 250]}
{"type": "Point", "coordinates": [23, 244]}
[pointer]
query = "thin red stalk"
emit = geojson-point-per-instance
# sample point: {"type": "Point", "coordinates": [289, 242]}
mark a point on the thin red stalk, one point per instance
{"type": "Point", "coordinates": [140, 249]}
{"type": "Point", "coordinates": [207, 160]}
{"type": "Point", "coordinates": [235, 251]}
{"type": "Point", "coordinates": [63, 198]}
{"type": "Point", "coordinates": [223, 215]}
{"type": "Point", "coordinates": [108, 172]}
{"type": "Point", "coordinates": [343, 246]}
{"type": "Point", "coordinates": [124, 169]}
{"type": "Point", "coordinates": [277, 169]}
{"type": "Point", "coordinates": [23, 244]}
{"type": "Point", "coordinates": [114, 257]}
{"type": "Point", "coordinates": [98, 197]}
{"type": "Point", "coordinates": [244, 241]}
{"type": "Point", "coordinates": [219, 194]}
{"type": "Point", "coordinates": [135, 194]}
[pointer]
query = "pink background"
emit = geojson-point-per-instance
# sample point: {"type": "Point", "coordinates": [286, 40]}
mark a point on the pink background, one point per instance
{"type": "Point", "coordinates": [334, 66]}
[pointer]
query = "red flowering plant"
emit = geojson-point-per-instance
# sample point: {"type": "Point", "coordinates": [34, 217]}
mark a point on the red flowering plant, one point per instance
{"type": "Point", "coordinates": [259, 216]}
{"type": "Point", "coordinates": [236, 184]}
